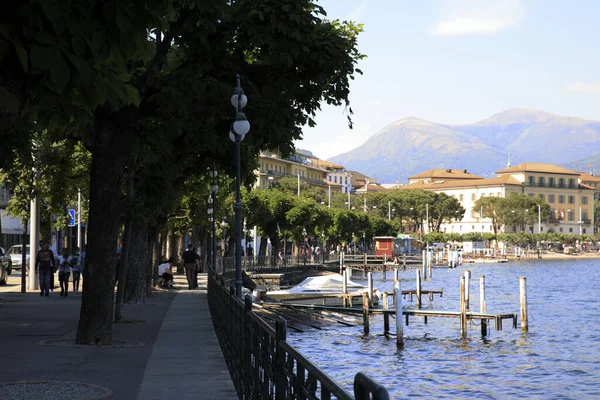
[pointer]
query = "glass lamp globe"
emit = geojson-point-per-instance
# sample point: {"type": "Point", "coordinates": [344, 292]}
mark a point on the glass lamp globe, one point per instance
{"type": "Point", "coordinates": [241, 126]}
{"type": "Point", "coordinates": [237, 99]}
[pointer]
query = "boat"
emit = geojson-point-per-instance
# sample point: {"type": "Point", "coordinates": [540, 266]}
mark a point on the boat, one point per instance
{"type": "Point", "coordinates": [317, 289]}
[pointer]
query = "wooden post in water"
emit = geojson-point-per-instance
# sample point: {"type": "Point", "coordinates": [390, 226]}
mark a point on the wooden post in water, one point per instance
{"type": "Point", "coordinates": [431, 266]}
{"type": "Point", "coordinates": [386, 302]}
{"type": "Point", "coordinates": [404, 261]}
{"type": "Point", "coordinates": [395, 274]}
{"type": "Point", "coordinates": [384, 265]}
{"type": "Point", "coordinates": [370, 286]}
{"type": "Point", "coordinates": [345, 287]}
{"type": "Point", "coordinates": [365, 304]}
{"type": "Point", "coordinates": [418, 289]}
{"type": "Point", "coordinates": [463, 309]}
{"type": "Point", "coordinates": [523, 292]}
{"type": "Point", "coordinates": [467, 285]}
{"type": "Point", "coordinates": [482, 305]}
{"type": "Point", "coordinates": [364, 265]}
{"type": "Point", "coordinates": [398, 304]}
{"type": "Point", "coordinates": [424, 264]}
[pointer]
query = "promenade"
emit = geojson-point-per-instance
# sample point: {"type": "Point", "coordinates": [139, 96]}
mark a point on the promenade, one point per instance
{"type": "Point", "coordinates": [164, 349]}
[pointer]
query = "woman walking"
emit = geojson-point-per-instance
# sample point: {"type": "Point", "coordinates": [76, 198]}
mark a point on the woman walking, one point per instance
{"type": "Point", "coordinates": [64, 272]}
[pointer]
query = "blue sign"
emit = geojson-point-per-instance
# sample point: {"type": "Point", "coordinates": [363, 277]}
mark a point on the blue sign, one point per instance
{"type": "Point", "coordinates": [72, 217]}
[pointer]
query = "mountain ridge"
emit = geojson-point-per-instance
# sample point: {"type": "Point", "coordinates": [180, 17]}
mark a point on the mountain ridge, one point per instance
{"type": "Point", "coordinates": [412, 145]}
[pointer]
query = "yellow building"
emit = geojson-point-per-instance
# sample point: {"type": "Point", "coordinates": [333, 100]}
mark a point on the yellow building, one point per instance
{"type": "Point", "coordinates": [274, 167]}
{"type": "Point", "coordinates": [571, 201]}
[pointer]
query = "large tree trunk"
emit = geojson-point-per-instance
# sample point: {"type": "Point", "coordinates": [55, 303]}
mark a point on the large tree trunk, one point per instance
{"type": "Point", "coordinates": [110, 151]}
{"type": "Point", "coordinates": [140, 258]}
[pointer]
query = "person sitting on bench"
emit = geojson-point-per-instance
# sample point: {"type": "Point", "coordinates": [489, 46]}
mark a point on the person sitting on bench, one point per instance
{"type": "Point", "coordinates": [164, 272]}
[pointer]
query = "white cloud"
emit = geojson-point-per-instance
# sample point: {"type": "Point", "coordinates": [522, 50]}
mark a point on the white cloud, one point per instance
{"type": "Point", "coordinates": [477, 17]}
{"type": "Point", "coordinates": [589, 87]}
{"type": "Point", "coordinates": [357, 12]}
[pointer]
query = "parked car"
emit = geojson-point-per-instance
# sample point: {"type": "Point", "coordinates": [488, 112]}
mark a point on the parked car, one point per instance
{"type": "Point", "coordinates": [16, 255]}
{"type": "Point", "coordinates": [5, 266]}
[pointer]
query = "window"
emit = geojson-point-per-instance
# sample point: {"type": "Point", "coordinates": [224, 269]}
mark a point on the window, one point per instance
{"type": "Point", "coordinates": [584, 230]}
{"type": "Point", "coordinates": [473, 227]}
{"type": "Point", "coordinates": [551, 182]}
{"type": "Point", "coordinates": [329, 177]}
{"type": "Point", "coordinates": [552, 215]}
{"type": "Point", "coordinates": [571, 230]}
{"type": "Point", "coordinates": [571, 199]}
{"type": "Point", "coordinates": [541, 181]}
{"type": "Point", "coordinates": [571, 215]}
{"type": "Point", "coordinates": [561, 182]}
{"type": "Point", "coordinates": [541, 229]}
{"type": "Point", "coordinates": [335, 179]}
{"type": "Point", "coordinates": [584, 200]}
{"type": "Point", "coordinates": [482, 194]}
{"type": "Point", "coordinates": [550, 198]}
{"type": "Point", "coordinates": [498, 194]}
{"type": "Point", "coordinates": [561, 229]}
{"type": "Point", "coordinates": [584, 215]}
{"type": "Point", "coordinates": [531, 194]}
{"type": "Point", "coordinates": [531, 180]}
{"type": "Point", "coordinates": [542, 196]}
{"type": "Point", "coordinates": [461, 197]}
{"type": "Point", "coordinates": [571, 183]}
{"type": "Point", "coordinates": [561, 198]}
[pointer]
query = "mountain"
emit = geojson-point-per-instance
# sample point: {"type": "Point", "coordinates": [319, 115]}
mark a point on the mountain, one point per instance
{"type": "Point", "coordinates": [412, 145]}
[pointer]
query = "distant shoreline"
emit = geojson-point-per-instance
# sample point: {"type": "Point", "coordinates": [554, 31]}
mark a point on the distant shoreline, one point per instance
{"type": "Point", "coordinates": [554, 256]}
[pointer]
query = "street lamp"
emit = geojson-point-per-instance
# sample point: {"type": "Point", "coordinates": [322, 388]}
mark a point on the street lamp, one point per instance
{"type": "Point", "coordinates": [239, 129]}
{"type": "Point", "coordinates": [539, 218]}
{"type": "Point", "coordinates": [304, 237]}
{"type": "Point", "coordinates": [214, 188]}
{"type": "Point", "coordinates": [323, 247]}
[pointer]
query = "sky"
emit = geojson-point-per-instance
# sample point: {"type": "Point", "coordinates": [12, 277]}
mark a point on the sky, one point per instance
{"type": "Point", "coordinates": [462, 61]}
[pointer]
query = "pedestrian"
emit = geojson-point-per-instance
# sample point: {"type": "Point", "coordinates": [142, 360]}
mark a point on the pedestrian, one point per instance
{"type": "Point", "coordinates": [164, 271]}
{"type": "Point", "coordinates": [190, 261]}
{"type": "Point", "coordinates": [64, 272]}
{"type": "Point", "coordinates": [44, 262]}
{"type": "Point", "coordinates": [81, 264]}
{"type": "Point", "coordinates": [74, 262]}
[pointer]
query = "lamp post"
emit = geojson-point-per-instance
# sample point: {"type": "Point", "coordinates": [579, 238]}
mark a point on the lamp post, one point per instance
{"type": "Point", "coordinates": [389, 210]}
{"type": "Point", "coordinates": [304, 237]}
{"type": "Point", "coordinates": [214, 188]}
{"type": "Point", "coordinates": [239, 129]}
{"type": "Point", "coordinates": [539, 218]}
{"type": "Point", "coordinates": [323, 247]}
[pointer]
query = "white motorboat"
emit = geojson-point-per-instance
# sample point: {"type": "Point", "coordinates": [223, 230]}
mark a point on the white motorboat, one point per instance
{"type": "Point", "coordinates": [321, 290]}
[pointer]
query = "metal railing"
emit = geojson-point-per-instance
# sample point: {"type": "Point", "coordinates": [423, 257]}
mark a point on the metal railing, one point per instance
{"type": "Point", "coordinates": [226, 265]}
{"type": "Point", "coordinates": [262, 364]}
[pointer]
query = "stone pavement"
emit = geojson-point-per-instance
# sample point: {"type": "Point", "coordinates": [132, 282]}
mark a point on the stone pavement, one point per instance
{"type": "Point", "coordinates": [166, 349]}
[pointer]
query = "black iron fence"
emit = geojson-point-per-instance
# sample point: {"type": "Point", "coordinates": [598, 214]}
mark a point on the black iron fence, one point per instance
{"type": "Point", "coordinates": [262, 364]}
{"type": "Point", "coordinates": [226, 265]}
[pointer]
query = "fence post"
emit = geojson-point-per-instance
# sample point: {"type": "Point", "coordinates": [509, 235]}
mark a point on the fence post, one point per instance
{"type": "Point", "coordinates": [523, 301]}
{"type": "Point", "coordinates": [365, 300]}
{"type": "Point", "coordinates": [280, 376]}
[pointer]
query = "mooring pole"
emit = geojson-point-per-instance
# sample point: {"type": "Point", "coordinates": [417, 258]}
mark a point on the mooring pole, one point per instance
{"type": "Point", "coordinates": [345, 286]}
{"type": "Point", "coordinates": [482, 305]}
{"type": "Point", "coordinates": [398, 304]}
{"type": "Point", "coordinates": [463, 309]}
{"type": "Point", "coordinates": [418, 289]}
{"type": "Point", "coordinates": [365, 301]}
{"type": "Point", "coordinates": [467, 285]}
{"type": "Point", "coordinates": [523, 291]}
{"type": "Point", "coordinates": [370, 286]}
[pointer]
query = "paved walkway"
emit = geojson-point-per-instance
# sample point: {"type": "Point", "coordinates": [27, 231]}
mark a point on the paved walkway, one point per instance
{"type": "Point", "coordinates": [186, 360]}
{"type": "Point", "coordinates": [180, 357]}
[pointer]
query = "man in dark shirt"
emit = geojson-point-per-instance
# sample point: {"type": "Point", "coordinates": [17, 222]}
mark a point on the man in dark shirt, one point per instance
{"type": "Point", "coordinates": [190, 260]}
{"type": "Point", "coordinates": [44, 263]}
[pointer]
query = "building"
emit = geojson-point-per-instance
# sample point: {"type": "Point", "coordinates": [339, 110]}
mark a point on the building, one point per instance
{"type": "Point", "coordinates": [273, 167]}
{"type": "Point", "coordinates": [437, 174]}
{"type": "Point", "coordinates": [570, 200]}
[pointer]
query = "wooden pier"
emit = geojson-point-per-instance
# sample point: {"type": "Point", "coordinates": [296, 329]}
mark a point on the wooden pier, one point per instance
{"type": "Point", "coordinates": [464, 314]}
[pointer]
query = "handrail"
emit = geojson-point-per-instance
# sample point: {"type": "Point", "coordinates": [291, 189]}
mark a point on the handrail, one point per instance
{"type": "Point", "coordinates": [262, 364]}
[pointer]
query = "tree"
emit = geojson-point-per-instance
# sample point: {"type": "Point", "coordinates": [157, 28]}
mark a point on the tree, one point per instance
{"type": "Point", "coordinates": [492, 207]}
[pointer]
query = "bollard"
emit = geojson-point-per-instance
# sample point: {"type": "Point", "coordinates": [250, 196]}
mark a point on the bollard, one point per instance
{"type": "Point", "coordinates": [398, 304]}
{"type": "Point", "coordinates": [370, 286]}
{"type": "Point", "coordinates": [463, 309]}
{"type": "Point", "coordinates": [365, 300]}
{"type": "Point", "coordinates": [418, 289]}
{"type": "Point", "coordinates": [467, 285]}
{"type": "Point", "coordinates": [345, 287]}
{"type": "Point", "coordinates": [482, 305]}
{"type": "Point", "coordinates": [523, 291]}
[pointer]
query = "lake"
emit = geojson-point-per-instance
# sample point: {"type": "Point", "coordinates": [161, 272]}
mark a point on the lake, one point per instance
{"type": "Point", "coordinates": [559, 358]}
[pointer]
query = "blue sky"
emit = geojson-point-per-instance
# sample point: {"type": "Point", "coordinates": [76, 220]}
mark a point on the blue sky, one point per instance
{"type": "Point", "coordinates": [461, 61]}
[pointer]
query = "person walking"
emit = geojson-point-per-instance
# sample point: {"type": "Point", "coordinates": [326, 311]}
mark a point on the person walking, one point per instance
{"type": "Point", "coordinates": [190, 261]}
{"type": "Point", "coordinates": [64, 272]}
{"type": "Point", "coordinates": [44, 262]}
{"type": "Point", "coordinates": [74, 262]}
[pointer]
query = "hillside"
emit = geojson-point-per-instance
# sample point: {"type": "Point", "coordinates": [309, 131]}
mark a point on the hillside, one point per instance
{"type": "Point", "coordinates": [412, 145]}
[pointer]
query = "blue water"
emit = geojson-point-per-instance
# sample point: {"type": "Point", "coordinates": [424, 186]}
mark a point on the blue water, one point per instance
{"type": "Point", "coordinates": [559, 358]}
